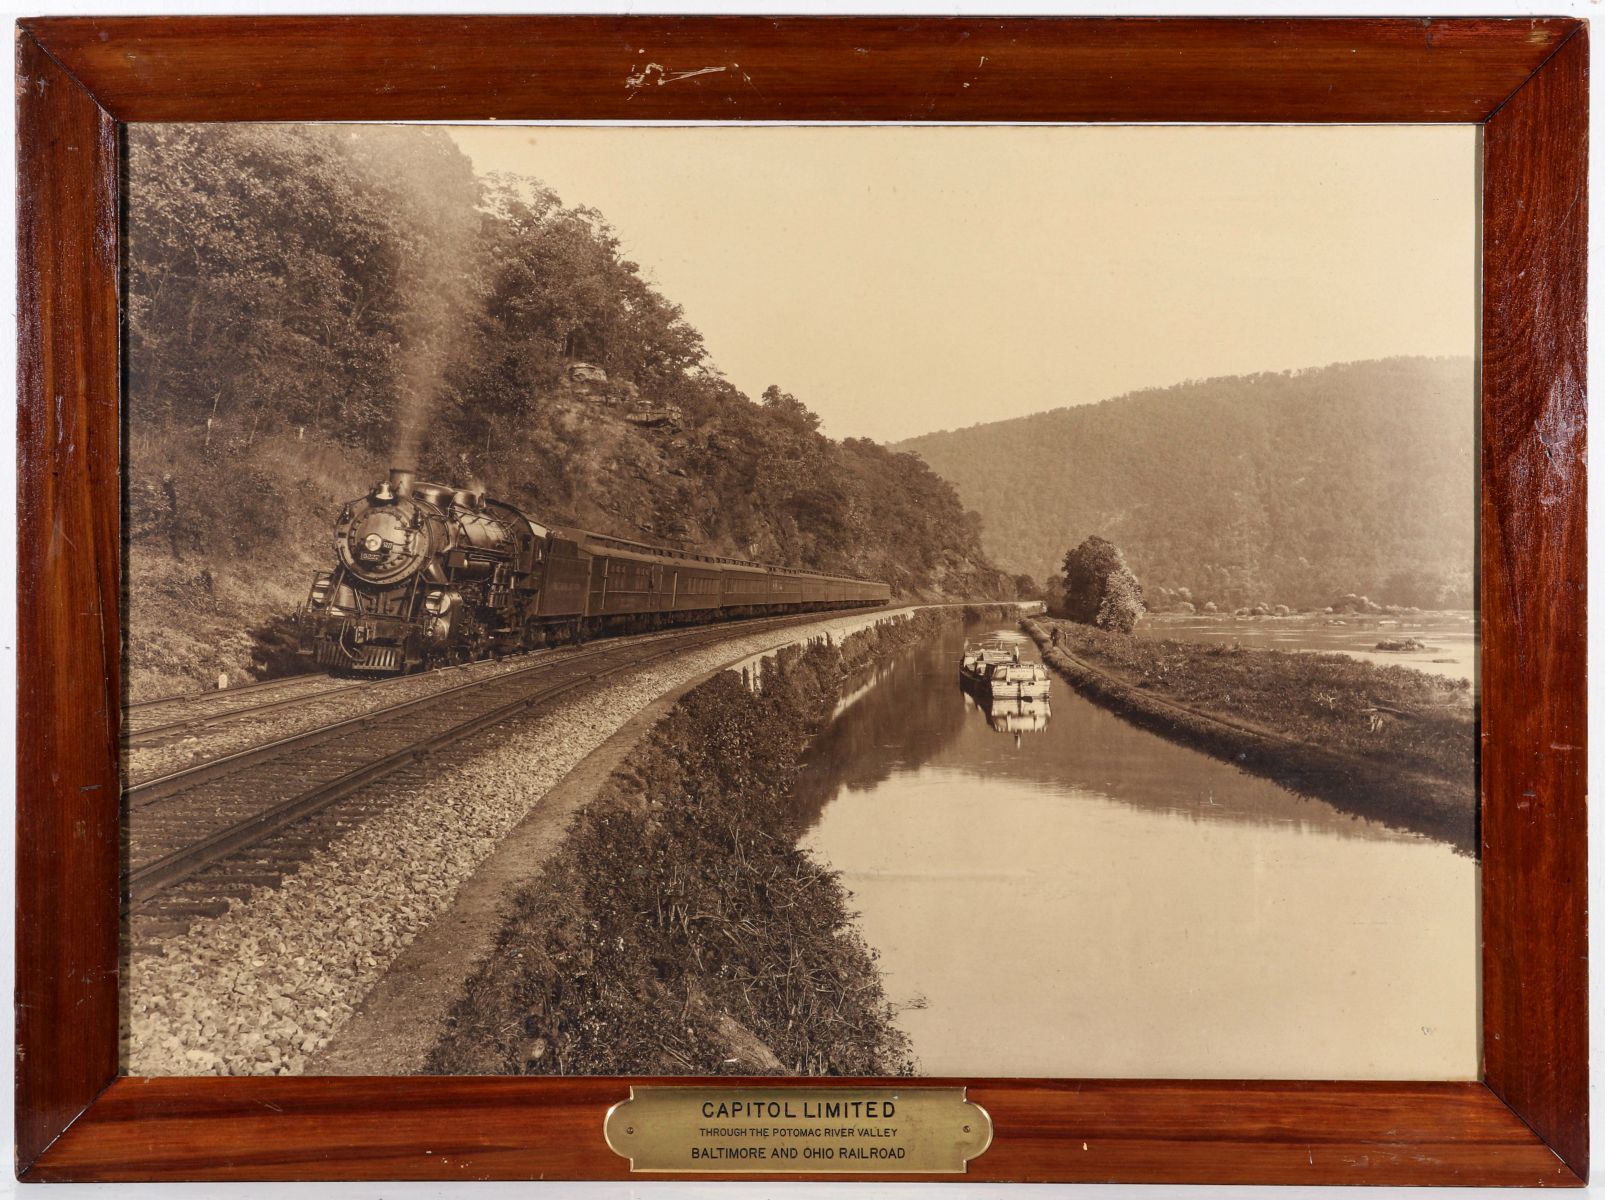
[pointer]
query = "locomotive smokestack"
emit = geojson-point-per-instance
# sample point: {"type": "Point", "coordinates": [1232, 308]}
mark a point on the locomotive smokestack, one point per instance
{"type": "Point", "coordinates": [401, 480]}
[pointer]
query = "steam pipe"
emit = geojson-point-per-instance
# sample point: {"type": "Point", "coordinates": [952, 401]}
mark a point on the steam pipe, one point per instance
{"type": "Point", "coordinates": [401, 480]}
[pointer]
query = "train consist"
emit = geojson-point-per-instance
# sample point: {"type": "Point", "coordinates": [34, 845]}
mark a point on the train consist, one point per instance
{"type": "Point", "coordinates": [428, 575]}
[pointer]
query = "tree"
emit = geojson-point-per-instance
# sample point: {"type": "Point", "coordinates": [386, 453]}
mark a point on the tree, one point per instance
{"type": "Point", "coordinates": [1122, 602]}
{"type": "Point", "coordinates": [789, 408]}
{"type": "Point", "coordinates": [1099, 588]}
{"type": "Point", "coordinates": [307, 304]}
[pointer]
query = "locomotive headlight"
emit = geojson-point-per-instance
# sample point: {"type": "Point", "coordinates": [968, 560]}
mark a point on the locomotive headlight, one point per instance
{"type": "Point", "coordinates": [373, 543]}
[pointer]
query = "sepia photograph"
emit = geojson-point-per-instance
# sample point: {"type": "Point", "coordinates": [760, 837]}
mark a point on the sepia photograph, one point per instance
{"type": "Point", "coordinates": [803, 601]}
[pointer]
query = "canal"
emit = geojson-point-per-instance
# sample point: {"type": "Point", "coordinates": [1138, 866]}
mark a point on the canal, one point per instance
{"type": "Point", "coordinates": [1063, 894]}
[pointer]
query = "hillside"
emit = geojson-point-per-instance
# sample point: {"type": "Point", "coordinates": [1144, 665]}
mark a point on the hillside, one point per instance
{"type": "Point", "coordinates": [1281, 488]}
{"type": "Point", "coordinates": [308, 305]}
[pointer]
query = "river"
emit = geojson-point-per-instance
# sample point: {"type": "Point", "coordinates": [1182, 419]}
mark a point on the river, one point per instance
{"type": "Point", "coordinates": [1068, 895]}
{"type": "Point", "coordinates": [1449, 638]}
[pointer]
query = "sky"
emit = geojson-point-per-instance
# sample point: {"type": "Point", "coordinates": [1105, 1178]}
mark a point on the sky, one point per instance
{"type": "Point", "coordinates": [904, 279]}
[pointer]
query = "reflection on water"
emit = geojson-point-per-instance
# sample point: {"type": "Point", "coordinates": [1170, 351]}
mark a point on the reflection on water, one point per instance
{"type": "Point", "coordinates": [1080, 897]}
{"type": "Point", "coordinates": [1014, 716]}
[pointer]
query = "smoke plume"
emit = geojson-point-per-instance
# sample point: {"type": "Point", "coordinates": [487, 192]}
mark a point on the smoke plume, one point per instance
{"type": "Point", "coordinates": [436, 207]}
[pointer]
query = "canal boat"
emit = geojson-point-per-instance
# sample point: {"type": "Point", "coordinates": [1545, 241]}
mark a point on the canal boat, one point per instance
{"type": "Point", "coordinates": [995, 669]}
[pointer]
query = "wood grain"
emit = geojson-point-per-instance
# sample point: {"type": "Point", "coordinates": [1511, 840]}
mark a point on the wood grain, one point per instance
{"type": "Point", "coordinates": [1085, 1131]}
{"type": "Point", "coordinates": [1534, 767]}
{"type": "Point", "coordinates": [68, 654]}
{"type": "Point", "coordinates": [798, 68]}
{"type": "Point", "coordinates": [1527, 79]}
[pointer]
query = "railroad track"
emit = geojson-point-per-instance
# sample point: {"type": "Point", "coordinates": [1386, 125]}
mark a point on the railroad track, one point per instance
{"type": "Point", "coordinates": [190, 725]}
{"type": "Point", "coordinates": [186, 727]}
{"type": "Point", "coordinates": [193, 710]}
{"type": "Point", "coordinates": [222, 828]}
{"type": "Point", "coordinates": [201, 712]}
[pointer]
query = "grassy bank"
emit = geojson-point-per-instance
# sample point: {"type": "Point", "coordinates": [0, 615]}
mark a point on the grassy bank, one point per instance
{"type": "Point", "coordinates": [189, 623]}
{"type": "Point", "coordinates": [218, 559]}
{"type": "Point", "coordinates": [1388, 743]}
{"type": "Point", "coordinates": [678, 929]}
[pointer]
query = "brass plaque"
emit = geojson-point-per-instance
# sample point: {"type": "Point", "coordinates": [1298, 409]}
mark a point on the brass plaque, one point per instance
{"type": "Point", "coordinates": [768, 1130]}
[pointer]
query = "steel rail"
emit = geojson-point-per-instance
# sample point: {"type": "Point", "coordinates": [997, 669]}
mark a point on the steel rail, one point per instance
{"type": "Point", "coordinates": [133, 737]}
{"type": "Point", "coordinates": [150, 790]}
{"type": "Point", "coordinates": [256, 685]}
{"type": "Point", "coordinates": [209, 720]}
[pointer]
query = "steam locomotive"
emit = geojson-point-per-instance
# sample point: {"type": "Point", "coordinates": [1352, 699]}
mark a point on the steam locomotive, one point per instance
{"type": "Point", "coordinates": [429, 575]}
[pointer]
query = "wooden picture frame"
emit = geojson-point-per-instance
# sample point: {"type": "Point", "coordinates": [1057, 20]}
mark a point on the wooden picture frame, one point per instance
{"type": "Point", "coordinates": [1525, 81]}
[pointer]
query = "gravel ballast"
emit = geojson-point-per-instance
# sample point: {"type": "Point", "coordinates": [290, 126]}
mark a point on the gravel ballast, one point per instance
{"type": "Point", "coordinates": [314, 709]}
{"type": "Point", "coordinates": [261, 988]}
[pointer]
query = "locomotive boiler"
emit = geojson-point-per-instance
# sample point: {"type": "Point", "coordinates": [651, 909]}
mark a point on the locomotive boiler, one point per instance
{"type": "Point", "coordinates": [427, 575]}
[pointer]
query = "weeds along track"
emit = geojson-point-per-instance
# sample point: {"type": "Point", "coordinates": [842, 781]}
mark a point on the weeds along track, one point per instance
{"type": "Point", "coordinates": [214, 832]}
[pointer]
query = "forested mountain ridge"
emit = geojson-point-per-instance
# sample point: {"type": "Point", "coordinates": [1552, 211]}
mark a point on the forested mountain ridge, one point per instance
{"type": "Point", "coordinates": [308, 305]}
{"type": "Point", "coordinates": [1291, 488]}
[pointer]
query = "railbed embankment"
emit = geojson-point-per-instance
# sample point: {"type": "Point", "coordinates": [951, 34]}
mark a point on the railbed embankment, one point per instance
{"type": "Point", "coordinates": [263, 988]}
{"type": "Point", "coordinates": [678, 929]}
{"type": "Point", "coordinates": [1386, 743]}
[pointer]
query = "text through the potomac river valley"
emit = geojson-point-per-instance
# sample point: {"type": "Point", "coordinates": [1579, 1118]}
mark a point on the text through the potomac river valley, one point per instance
{"type": "Point", "coordinates": [909, 1130]}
